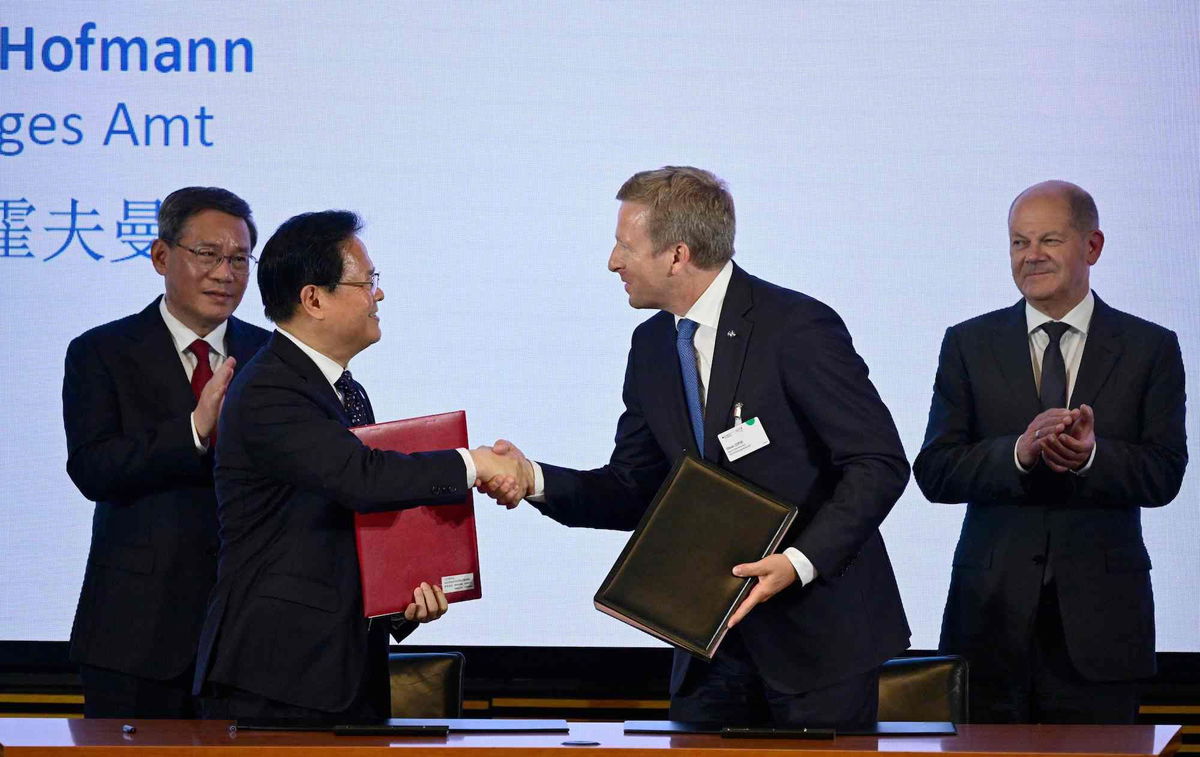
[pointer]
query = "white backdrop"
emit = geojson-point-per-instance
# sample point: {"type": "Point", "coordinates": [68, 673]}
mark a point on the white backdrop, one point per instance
{"type": "Point", "coordinates": [872, 149]}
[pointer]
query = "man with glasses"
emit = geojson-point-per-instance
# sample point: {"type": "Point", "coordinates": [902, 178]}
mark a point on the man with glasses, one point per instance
{"type": "Point", "coordinates": [285, 635]}
{"type": "Point", "coordinates": [141, 396]}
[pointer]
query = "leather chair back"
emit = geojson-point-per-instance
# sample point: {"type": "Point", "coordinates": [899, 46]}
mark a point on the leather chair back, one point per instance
{"type": "Point", "coordinates": [924, 689]}
{"type": "Point", "coordinates": [426, 684]}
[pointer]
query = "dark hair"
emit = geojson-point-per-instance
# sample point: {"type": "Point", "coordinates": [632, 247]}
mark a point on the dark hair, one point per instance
{"type": "Point", "coordinates": [184, 203]}
{"type": "Point", "coordinates": [305, 249]}
{"type": "Point", "coordinates": [688, 205]}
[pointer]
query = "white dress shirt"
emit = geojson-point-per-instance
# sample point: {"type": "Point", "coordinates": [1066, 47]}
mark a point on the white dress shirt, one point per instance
{"type": "Point", "coordinates": [1071, 344]}
{"type": "Point", "coordinates": [707, 313]}
{"type": "Point", "coordinates": [183, 337]}
{"type": "Point", "coordinates": [332, 371]}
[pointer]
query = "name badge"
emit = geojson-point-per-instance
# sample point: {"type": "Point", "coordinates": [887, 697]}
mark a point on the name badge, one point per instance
{"type": "Point", "coordinates": [743, 439]}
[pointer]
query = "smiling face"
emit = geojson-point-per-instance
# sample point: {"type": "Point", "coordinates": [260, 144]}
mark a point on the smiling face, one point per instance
{"type": "Point", "coordinates": [1050, 258]}
{"type": "Point", "coordinates": [354, 310]}
{"type": "Point", "coordinates": [645, 270]}
{"type": "Point", "coordinates": [203, 298]}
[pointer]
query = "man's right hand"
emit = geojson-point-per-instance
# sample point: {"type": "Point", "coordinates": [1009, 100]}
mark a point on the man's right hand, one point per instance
{"type": "Point", "coordinates": [208, 408]}
{"type": "Point", "coordinates": [505, 477]}
{"type": "Point", "coordinates": [504, 490]}
{"type": "Point", "coordinates": [1052, 421]}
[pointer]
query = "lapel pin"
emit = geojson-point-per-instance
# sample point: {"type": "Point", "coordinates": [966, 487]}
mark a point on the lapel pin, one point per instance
{"type": "Point", "coordinates": [731, 333]}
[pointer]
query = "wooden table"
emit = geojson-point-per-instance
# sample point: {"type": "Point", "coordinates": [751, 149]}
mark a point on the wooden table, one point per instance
{"type": "Point", "coordinates": [32, 737]}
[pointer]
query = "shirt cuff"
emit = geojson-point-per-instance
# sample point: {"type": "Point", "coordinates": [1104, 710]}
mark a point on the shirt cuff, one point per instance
{"type": "Point", "coordinates": [805, 570]}
{"type": "Point", "coordinates": [1088, 466]}
{"type": "Point", "coordinates": [1017, 460]}
{"type": "Point", "coordinates": [202, 444]}
{"type": "Point", "coordinates": [539, 484]}
{"type": "Point", "coordinates": [470, 463]}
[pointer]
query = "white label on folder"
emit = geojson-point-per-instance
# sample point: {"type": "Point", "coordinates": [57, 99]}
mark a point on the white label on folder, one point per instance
{"type": "Point", "coordinates": [461, 582]}
{"type": "Point", "coordinates": [743, 439]}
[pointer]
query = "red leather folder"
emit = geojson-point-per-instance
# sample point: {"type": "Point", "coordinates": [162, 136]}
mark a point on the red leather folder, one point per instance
{"type": "Point", "coordinates": [435, 543]}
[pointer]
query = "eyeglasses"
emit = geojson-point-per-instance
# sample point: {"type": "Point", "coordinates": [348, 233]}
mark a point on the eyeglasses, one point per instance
{"type": "Point", "coordinates": [371, 286]}
{"type": "Point", "coordinates": [209, 258]}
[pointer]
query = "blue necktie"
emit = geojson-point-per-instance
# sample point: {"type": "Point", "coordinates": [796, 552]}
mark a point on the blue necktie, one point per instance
{"type": "Point", "coordinates": [691, 379]}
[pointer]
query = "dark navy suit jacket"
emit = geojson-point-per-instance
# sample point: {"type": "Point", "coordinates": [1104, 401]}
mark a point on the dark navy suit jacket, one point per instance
{"type": "Point", "coordinates": [285, 620]}
{"type": "Point", "coordinates": [1088, 528]}
{"type": "Point", "coordinates": [127, 406]}
{"type": "Point", "coordinates": [834, 453]}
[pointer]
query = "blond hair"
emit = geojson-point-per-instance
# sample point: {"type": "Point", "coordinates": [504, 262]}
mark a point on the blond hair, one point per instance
{"type": "Point", "coordinates": [687, 205]}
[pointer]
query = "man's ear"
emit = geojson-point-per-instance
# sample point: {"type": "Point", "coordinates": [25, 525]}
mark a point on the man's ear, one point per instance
{"type": "Point", "coordinates": [1095, 245]}
{"type": "Point", "coordinates": [312, 301]}
{"type": "Point", "coordinates": [158, 256]}
{"type": "Point", "coordinates": [681, 256]}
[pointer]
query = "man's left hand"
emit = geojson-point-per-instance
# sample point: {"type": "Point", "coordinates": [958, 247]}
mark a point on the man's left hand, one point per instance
{"type": "Point", "coordinates": [774, 572]}
{"type": "Point", "coordinates": [1071, 449]}
{"type": "Point", "coordinates": [429, 604]}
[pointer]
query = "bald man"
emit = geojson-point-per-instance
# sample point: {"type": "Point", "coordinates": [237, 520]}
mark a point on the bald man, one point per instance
{"type": "Point", "coordinates": [1055, 420]}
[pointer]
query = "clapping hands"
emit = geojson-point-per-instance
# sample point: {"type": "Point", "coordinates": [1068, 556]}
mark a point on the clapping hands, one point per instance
{"type": "Point", "coordinates": [1063, 439]}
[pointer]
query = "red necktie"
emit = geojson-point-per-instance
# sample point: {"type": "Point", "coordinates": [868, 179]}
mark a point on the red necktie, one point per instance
{"type": "Point", "coordinates": [203, 371]}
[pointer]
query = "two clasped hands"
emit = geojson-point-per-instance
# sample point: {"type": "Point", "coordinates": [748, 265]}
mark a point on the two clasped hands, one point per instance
{"type": "Point", "coordinates": [507, 476]}
{"type": "Point", "coordinates": [1062, 439]}
{"type": "Point", "coordinates": [503, 473]}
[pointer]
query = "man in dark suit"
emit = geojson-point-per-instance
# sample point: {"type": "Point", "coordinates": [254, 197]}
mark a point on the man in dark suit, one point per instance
{"type": "Point", "coordinates": [1055, 420]}
{"type": "Point", "coordinates": [826, 611]}
{"type": "Point", "coordinates": [285, 635]}
{"type": "Point", "coordinates": [140, 402]}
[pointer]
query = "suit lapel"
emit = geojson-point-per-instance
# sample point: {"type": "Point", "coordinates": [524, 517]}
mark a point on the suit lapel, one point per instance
{"type": "Point", "coordinates": [237, 338]}
{"type": "Point", "coordinates": [153, 356]}
{"type": "Point", "coordinates": [1100, 353]}
{"type": "Point", "coordinates": [733, 336]}
{"type": "Point", "coordinates": [1012, 354]}
{"type": "Point", "coordinates": [307, 370]}
{"type": "Point", "coordinates": [665, 381]}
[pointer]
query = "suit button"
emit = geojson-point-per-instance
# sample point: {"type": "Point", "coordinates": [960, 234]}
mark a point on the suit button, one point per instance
{"type": "Point", "coordinates": [1039, 560]}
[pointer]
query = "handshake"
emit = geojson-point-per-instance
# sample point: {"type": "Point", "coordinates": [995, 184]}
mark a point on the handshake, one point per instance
{"type": "Point", "coordinates": [503, 473]}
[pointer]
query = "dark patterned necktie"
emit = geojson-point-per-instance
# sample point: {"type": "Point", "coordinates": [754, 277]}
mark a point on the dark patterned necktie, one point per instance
{"type": "Point", "coordinates": [354, 399]}
{"type": "Point", "coordinates": [691, 379]}
{"type": "Point", "coordinates": [1054, 368]}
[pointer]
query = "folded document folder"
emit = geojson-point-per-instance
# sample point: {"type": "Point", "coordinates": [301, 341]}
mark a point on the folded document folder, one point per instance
{"type": "Point", "coordinates": [673, 580]}
{"type": "Point", "coordinates": [398, 550]}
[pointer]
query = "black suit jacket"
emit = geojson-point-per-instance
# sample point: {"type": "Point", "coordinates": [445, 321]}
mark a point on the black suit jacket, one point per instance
{"type": "Point", "coordinates": [1089, 527]}
{"type": "Point", "coordinates": [127, 406]}
{"type": "Point", "coordinates": [834, 453]}
{"type": "Point", "coordinates": [285, 620]}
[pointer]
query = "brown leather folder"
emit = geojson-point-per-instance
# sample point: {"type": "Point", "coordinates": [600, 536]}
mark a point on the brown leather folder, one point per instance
{"type": "Point", "coordinates": [673, 580]}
